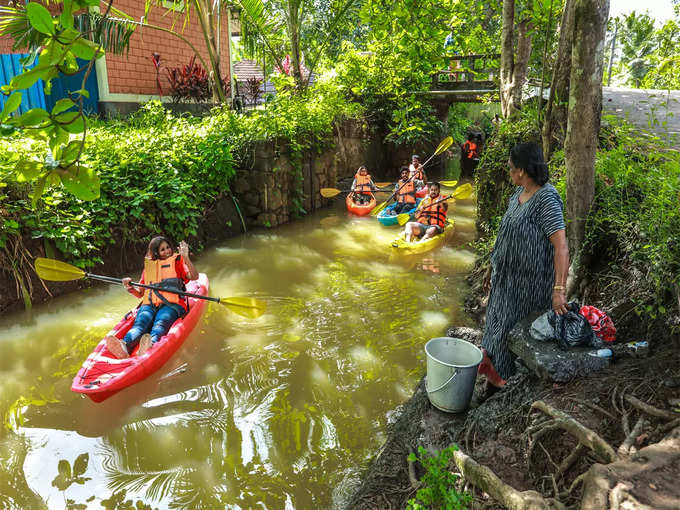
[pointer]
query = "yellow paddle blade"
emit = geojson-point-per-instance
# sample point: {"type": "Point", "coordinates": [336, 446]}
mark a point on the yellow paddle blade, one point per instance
{"type": "Point", "coordinates": [403, 218]}
{"type": "Point", "coordinates": [448, 184]}
{"type": "Point", "coordinates": [445, 144]}
{"type": "Point", "coordinates": [376, 210]}
{"type": "Point", "coordinates": [463, 191]}
{"type": "Point", "coordinates": [330, 192]}
{"type": "Point", "coordinates": [55, 271]}
{"type": "Point", "coordinates": [384, 184]}
{"type": "Point", "coordinates": [245, 306]}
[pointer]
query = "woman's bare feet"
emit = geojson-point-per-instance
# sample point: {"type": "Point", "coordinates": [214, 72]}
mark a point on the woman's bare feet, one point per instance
{"type": "Point", "coordinates": [144, 344]}
{"type": "Point", "coordinates": [116, 347]}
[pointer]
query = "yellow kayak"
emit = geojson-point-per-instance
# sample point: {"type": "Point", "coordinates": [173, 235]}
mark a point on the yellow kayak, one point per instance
{"type": "Point", "coordinates": [404, 248]}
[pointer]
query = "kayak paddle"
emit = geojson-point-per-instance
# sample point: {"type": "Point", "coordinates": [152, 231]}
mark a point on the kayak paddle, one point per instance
{"type": "Point", "coordinates": [331, 192]}
{"type": "Point", "coordinates": [462, 191]}
{"type": "Point", "coordinates": [448, 184]}
{"type": "Point", "coordinates": [445, 144]}
{"type": "Point", "coordinates": [57, 271]}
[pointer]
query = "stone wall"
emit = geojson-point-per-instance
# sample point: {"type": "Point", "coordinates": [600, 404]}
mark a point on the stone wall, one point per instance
{"type": "Point", "coordinates": [274, 185]}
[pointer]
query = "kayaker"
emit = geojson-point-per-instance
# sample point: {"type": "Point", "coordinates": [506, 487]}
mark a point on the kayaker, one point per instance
{"type": "Point", "coordinates": [406, 193]}
{"type": "Point", "coordinates": [362, 186]}
{"type": "Point", "coordinates": [158, 310]}
{"type": "Point", "coordinates": [430, 217]}
{"type": "Point", "coordinates": [416, 172]}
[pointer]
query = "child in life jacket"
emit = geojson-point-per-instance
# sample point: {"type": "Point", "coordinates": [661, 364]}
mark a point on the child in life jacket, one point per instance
{"type": "Point", "coordinates": [158, 310]}
{"type": "Point", "coordinates": [406, 193]}
{"type": "Point", "coordinates": [430, 218]}
{"type": "Point", "coordinates": [362, 186]}
{"type": "Point", "coordinates": [416, 172]}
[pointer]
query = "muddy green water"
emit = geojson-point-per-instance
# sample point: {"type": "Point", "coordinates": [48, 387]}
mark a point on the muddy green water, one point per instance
{"type": "Point", "coordinates": [279, 412]}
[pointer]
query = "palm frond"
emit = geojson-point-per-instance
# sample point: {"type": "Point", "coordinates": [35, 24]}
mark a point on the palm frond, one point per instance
{"type": "Point", "coordinates": [259, 26]}
{"type": "Point", "coordinates": [113, 34]}
{"type": "Point", "coordinates": [14, 24]}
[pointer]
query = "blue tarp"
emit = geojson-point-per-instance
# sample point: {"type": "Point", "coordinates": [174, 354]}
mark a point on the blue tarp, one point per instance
{"type": "Point", "coordinates": [35, 96]}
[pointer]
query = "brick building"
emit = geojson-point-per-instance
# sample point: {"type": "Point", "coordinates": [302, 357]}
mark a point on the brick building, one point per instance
{"type": "Point", "coordinates": [125, 81]}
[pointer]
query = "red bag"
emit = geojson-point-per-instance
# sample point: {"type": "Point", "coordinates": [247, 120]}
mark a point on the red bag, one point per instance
{"type": "Point", "coordinates": [600, 322]}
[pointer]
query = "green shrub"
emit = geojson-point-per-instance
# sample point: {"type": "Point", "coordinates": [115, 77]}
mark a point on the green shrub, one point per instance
{"type": "Point", "coordinates": [633, 229]}
{"type": "Point", "coordinates": [439, 490]}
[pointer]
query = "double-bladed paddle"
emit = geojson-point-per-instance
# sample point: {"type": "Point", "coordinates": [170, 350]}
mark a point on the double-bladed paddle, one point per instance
{"type": "Point", "coordinates": [331, 192]}
{"type": "Point", "coordinates": [57, 271]}
{"type": "Point", "coordinates": [462, 191]}
{"type": "Point", "coordinates": [445, 144]}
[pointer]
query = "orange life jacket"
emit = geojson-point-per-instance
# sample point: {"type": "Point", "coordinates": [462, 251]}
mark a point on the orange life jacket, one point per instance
{"type": "Point", "coordinates": [434, 214]}
{"type": "Point", "coordinates": [471, 149]}
{"type": "Point", "coordinates": [362, 184]}
{"type": "Point", "coordinates": [417, 174]}
{"type": "Point", "coordinates": [163, 273]}
{"type": "Point", "coordinates": [407, 192]}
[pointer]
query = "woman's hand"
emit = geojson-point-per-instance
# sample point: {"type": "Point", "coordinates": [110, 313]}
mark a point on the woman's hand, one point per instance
{"type": "Point", "coordinates": [559, 302]}
{"type": "Point", "coordinates": [486, 281]}
{"type": "Point", "coordinates": [184, 249]}
{"type": "Point", "coordinates": [126, 283]}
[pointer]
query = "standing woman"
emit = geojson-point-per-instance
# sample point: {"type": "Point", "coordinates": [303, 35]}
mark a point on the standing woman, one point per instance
{"type": "Point", "coordinates": [529, 262]}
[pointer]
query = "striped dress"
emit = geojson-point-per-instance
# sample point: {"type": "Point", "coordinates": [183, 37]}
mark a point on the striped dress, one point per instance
{"type": "Point", "coordinates": [522, 269]}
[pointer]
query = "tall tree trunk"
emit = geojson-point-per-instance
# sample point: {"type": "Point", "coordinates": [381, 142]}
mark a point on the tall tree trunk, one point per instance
{"type": "Point", "coordinates": [507, 57]}
{"type": "Point", "coordinates": [555, 121]}
{"type": "Point", "coordinates": [513, 66]}
{"type": "Point", "coordinates": [293, 21]}
{"type": "Point", "coordinates": [521, 67]}
{"type": "Point", "coordinates": [583, 123]}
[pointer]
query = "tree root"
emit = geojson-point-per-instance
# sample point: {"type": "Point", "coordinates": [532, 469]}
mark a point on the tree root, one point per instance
{"type": "Point", "coordinates": [585, 436]}
{"type": "Point", "coordinates": [485, 479]}
{"type": "Point", "coordinates": [651, 410]}
{"type": "Point", "coordinates": [610, 486]}
{"type": "Point", "coordinates": [625, 448]}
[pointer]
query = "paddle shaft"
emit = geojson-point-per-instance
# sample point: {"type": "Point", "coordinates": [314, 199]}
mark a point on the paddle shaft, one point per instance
{"type": "Point", "coordinates": [109, 279]}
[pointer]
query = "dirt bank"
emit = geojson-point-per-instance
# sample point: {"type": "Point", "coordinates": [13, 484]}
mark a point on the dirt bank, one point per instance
{"type": "Point", "coordinates": [530, 451]}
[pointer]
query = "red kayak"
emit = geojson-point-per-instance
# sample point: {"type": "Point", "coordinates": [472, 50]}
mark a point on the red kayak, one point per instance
{"type": "Point", "coordinates": [358, 209]}
{"type": "Point", "coordinates": [103, 375]}
{"type": "Point", "coordinates": [422, 192]}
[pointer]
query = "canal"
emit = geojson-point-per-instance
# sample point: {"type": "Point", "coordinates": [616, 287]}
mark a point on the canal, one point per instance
{"type": "Point", "coordinates": [273, 413]}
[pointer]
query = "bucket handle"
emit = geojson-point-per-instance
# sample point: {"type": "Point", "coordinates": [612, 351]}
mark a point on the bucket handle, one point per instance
{"type": "Point", "coordinates": [455, 373]}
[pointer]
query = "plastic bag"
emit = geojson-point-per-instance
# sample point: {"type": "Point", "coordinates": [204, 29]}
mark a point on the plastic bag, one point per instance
{"type": "Point", "coordinates": [572, 329]}
{"type": "Point", "coordinates": [541, 329]}
{"type": "Point", "coordinates": [569, 330]}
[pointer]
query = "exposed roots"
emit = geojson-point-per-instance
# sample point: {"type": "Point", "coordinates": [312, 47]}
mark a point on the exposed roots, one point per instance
{"type": "Point", "coordinates": [585, 436]}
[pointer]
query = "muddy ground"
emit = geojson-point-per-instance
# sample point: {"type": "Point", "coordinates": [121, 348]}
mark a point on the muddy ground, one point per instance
{"type": "Point", "coordinates": [493, 432]}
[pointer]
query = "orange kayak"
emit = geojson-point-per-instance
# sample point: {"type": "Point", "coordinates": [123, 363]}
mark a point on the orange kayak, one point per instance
{"type": "Point", "coordinates": [359, 210]}
{"type": "Point", "coordinates": [103, 375]}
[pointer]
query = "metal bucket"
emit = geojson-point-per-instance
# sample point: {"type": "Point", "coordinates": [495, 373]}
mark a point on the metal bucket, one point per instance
{"type": "Point", "coordinates": [451, 373]}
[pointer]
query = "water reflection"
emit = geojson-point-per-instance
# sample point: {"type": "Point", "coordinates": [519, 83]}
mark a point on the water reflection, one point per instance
{"type": "Point", "coordinates": [269, 412]}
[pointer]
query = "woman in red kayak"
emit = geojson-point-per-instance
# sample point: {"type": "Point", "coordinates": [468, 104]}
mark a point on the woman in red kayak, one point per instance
{"type": "Point", "coordinates": [159, 310]}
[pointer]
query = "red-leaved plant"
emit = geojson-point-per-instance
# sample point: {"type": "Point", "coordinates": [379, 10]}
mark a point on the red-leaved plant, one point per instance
{"type": "Point", "coordinates": [189, 82]}
{"type": "Point", "coordinates": [252, 89]}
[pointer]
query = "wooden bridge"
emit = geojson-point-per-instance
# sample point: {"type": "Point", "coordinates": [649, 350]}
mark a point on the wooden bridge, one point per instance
{"type": "Point", "coordinates": [468, 78]}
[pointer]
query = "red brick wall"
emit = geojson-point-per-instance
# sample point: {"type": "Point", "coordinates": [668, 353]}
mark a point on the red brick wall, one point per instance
{"type": "Point", "coordinates": [134, 73]}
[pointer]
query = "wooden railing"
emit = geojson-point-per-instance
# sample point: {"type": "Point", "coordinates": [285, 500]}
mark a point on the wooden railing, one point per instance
{"type": "Point", "coordinates": [468, 72]}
